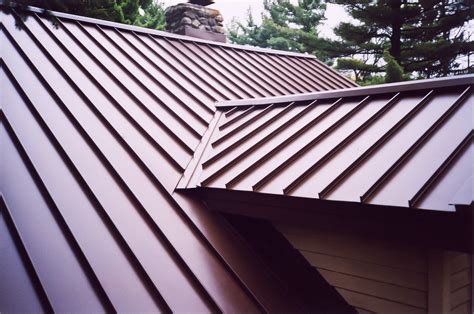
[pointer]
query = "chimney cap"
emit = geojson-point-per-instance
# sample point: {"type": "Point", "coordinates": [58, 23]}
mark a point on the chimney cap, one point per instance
{"type": "Point", "coordinates": [201, 2]}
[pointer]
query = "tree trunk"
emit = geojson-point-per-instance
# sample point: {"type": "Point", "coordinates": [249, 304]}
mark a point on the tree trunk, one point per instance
{"type": "Point", "coordinates": [395, 38]}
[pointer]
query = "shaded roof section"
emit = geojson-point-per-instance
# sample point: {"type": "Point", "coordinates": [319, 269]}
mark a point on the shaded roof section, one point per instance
{"type": "Point", "coordinates": [98, 122]}
{"type": "Point", "coordinates": [409, 144]}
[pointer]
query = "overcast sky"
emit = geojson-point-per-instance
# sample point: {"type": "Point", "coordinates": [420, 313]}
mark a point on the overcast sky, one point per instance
{"type": "Point", "coordinates": [238, 9]}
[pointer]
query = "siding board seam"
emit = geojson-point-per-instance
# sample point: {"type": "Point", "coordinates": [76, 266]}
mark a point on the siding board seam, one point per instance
{"type": "Point", "coordinates": [381, 298]}
{"type": "Point", "coordinates": [370, 279]}
{"type": "Point", "coordinates": [360, 260]}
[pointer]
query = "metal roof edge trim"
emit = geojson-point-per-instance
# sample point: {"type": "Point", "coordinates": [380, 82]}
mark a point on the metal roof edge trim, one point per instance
{"type": "Point", "coordinates": [158, 33]}
{"type": "Point", "coordinates": [356, 91]}
{"type": "Point", "coordinates": [258, 197]}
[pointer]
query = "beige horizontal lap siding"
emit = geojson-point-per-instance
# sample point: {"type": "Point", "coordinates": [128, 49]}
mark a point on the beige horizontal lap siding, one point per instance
{"type": "Point", "coordinates": [372, 275]}
{"type": "Point", "coordinates": [461, 283]}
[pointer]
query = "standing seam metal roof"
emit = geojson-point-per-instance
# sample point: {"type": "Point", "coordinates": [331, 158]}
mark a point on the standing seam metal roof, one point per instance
{"type": "Point", "coordinates": [408, 145]}
{"type": "Point", "coordinates": [98, 123]}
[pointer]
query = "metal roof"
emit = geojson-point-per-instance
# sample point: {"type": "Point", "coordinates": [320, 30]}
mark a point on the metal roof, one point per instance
{"type": "Point", "coordinates": [407, 145]}
{"type": "Point", "coordinates": [98, 123]}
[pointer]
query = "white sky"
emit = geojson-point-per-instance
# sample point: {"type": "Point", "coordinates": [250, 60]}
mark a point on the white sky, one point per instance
{"type": "Point", "coordinates": [238, 9]}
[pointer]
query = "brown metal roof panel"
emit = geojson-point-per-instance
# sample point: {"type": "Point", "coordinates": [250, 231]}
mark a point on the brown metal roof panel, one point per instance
{"type": "Point", "coordinates": [97, 239]}
{"type": "Point", "coordinates": [328, 78]}
{"type": "Point", "coordinates": [323, 170]}
{"type": "Point", "coordinates": [198, 109]}
{"type": "Point", "coordinates": [107, 191]}
{"type": "Point", "coordinates": [275, 63]}
{"type": "Point", "coordinates": [261, 71]}
{"type": "Point", "coordinates": [338, 81]}
{"type": "Point", "coordinates": [382, 148]}
{"type": "Point", "coordinates": [390, 149]}
{"type": "Point", "coordinates": [409, 108]}
{"type": "Point", "coordinates": [418, 167]}
{"type": "Point", "coordinates": [246, 145]}
{"type": "Point", "coordinates": [143, 260]}
{"type": "Point", "coordinates": [293, 73]}
{"type": "Point", "coordinates": [456, 179]}
{"type": "Point", "coordinates": [139, 235]}
{"type": "Point", "coordinates": [17, 65]}
{"type": "Point", "coordinates": [260, 139]}
{"type": "Point", "coordinates": [23, 293]}
{"type": "Point", "coordinates": [44, 240]}
{"type": "Point", "coordinates": [316, 152]}
{"type": "Point", "coordinates": [228, 82]}
{"type": "Point", "coordinates": [154, 63]}
{"type": "Point", "coordinates": [300, 72]}
{"type": "Point", "coordinates": [270, 143]}
{"type": "Point", "coordinates": [235, 130]}
{"type": "Point", "coordinates": [443, 82]}
{"type": "Point", "coordinates": [274, 146]}
{"type": "Point", "coordinates": [231, 68]}
{"type": "Point", "coordinates": [119, 69]}
{"type": "Point", "coordinates": [280, 78]}
{"type": "Point", "coordinates": [247, 70]}
{"type": "Point", "coordinates": [121, 126]}
{"type": "Point", "coordinates": [96, 93]}
{"type": "Point", "coordinates": [191, 70]}
{"type": "Point", "coordinates": [201, 67]}
{"type": "Point", "coordinates": [289, 164]}
{"type": "Point", "coordinates": [162, 72]}
{"type": "Point", "coordinates": [438, 121]}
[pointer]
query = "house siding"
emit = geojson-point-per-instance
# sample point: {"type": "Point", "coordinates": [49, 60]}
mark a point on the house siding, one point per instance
{"type": "Point", "coordinates": [371, 275]}
{"type": "Point", "coordinates": [461, 283]}
{"type": "Point", "coordinates": [377, 276]}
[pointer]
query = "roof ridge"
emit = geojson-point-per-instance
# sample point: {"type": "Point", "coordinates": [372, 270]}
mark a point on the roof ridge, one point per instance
{"type": "Point", "coordinates": [155, 32]}
{"type": "Point", "coordinates": [355, 91]}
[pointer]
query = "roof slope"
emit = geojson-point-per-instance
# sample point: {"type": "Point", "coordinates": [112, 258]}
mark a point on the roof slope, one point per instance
{"type": "Point", "coordinates": [409, 144]}
{"type": "Point", "coordinates": [98, 123]}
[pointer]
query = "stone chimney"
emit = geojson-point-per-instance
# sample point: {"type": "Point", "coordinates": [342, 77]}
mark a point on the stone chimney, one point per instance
{"type": "Point", "coordinates": [195, 19]}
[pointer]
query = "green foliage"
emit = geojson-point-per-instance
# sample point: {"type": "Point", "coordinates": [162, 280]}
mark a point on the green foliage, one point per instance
{"type": "Point", "coordinates": [362, 70]}
{"type": "Point", "coordinates": [285, 26]}
{"type": "Point", "coordinates": [393, 70]}
{"type": "Point", "coordinates": [152, 17]}
{"type": "Point", "coordinates": [122, 11]}
{"type": "Point", "coordinates": [425, 37]}
{"type": "Point", "coordinates": [372, 80]}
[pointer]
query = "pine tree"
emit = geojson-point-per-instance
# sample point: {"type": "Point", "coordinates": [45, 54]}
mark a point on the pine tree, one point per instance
{"type": "Point", "coordinates": [285, 26]}
{"type": "Point", "coordinates": [425, 37]}
{"type": "Point", "coordinates": [393, 70]}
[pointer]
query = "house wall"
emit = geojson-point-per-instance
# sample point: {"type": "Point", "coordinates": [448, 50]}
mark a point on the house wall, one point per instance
{"type": "Point", "coordinates": [461, 283]}
{"type": "Point", "coordinates": [383, 277]}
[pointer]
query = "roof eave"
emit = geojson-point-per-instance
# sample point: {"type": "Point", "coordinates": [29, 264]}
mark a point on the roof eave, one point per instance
{"type": "Point", "coordinates": [423, 227]}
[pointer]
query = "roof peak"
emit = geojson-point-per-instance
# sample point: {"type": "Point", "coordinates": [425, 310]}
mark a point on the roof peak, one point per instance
{"type": "Point", "coordinates": [143, 30]}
